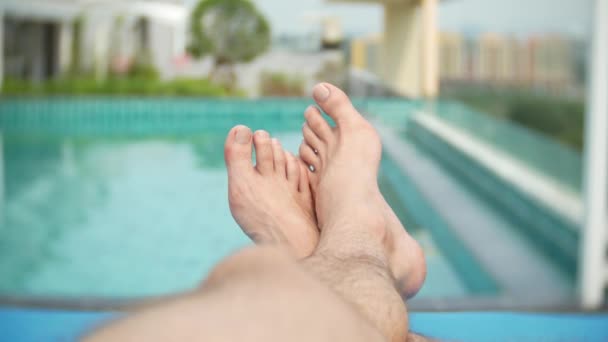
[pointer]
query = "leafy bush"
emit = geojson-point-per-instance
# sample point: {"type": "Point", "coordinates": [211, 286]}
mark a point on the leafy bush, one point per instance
{"type": "Point", "coordinates": [281, 84]}
{"type": "Point", "coordinates": [560, 118]}
{"type": "Point", "coordinates": [143, 71]}
{"type": "Point", "coordinates": [140, 86]}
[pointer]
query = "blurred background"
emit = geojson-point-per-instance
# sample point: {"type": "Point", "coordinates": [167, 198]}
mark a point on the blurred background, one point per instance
{"type": "Point", "coordinates": [113, 115]}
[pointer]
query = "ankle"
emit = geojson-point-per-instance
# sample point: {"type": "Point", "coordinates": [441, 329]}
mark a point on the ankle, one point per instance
{"type": "Point", "coordinates": [355, 240]}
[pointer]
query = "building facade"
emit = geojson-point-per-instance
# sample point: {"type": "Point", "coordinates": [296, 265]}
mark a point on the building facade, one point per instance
{"type": "Point", "coordinates": [46, 39]}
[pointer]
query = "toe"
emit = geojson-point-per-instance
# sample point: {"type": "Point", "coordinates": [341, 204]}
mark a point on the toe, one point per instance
{"type": "Point", "coordinates": [293, 170]}
{"type": "Point", "coordinates": [279, 158]}
{"type": "Point", "coordinates": [309, 157]}
{"type": "Point", "coordinates": [311, 138]}
{"type": "Point", "coordinates": [303, 182]}
{"type": "Point", "coordinates": [318, 125]}
{"type": "Point", "coordinates": [334, 102]}
{"type": "Point", "coordinates": [237, 150]}
{"type": "Point", "coordinates": [263, 152]}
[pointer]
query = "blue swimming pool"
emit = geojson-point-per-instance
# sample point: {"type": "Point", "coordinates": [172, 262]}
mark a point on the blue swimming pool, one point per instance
{"type": "Point", "coordinates": [128, 198]}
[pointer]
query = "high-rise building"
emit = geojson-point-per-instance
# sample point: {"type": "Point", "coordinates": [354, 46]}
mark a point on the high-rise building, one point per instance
{"type": "Point", "coordinates": [452, 57]}
{"type": "Point", "coordinates": [553, 62]}
{"type": "Point", "coordinates": [366, 53]}
{"type": "Point", "coordinates": [550, 62]}
{"type": "Point", "coordinates": [492, 58]}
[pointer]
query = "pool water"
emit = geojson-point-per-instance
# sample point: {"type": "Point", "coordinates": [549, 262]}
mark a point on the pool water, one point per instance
{"type": "Point", "coordinates": [132, 216]}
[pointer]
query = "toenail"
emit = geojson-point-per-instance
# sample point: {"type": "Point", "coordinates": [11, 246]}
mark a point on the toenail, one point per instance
{"type": "Point", "coordinates": [275, 141]}
{"type": "Point", "coordinates": [311, 168]}
{"type": "Point", "coordinates": [262, 134]}
{"type": "Point", "coordinates": [243, 135]}
{"type": "Point", "coordinates": [316, 151]}
{"type": "Point", "coordinates": [320, 93]}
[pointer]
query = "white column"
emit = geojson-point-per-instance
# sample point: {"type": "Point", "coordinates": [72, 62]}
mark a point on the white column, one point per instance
{"type": "Point", "coordinates": [594, 241]}
{"type": "Point", "coordinates": [401, 58]}
{"type": "Point", "coordinates": [411, 48]}
{"type": "Point", "coordinates": [65, 46]}
{"type": "Point", "coordinates": [101, 48]}
{"type": "Point", "coordinates": [179, 32]}
{"type": "Point", "coordinates": [430, 49]}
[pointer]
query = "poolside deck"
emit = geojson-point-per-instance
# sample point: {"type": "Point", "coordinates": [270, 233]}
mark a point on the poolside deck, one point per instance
{"type": "Point", "coordinates": [526, 277]}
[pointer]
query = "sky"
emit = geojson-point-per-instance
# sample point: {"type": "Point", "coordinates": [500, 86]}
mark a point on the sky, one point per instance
{"type": "Point", "coordinates": [521, 17]}
{"type": "Point", "coordinates": [517, 16]}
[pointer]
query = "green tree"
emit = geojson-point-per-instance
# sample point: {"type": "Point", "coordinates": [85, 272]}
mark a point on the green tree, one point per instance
{"type": "Point", "coordinates": [231, 31]}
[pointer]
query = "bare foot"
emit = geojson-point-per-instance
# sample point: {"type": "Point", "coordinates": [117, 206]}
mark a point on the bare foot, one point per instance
{"type": "Point", "coordinates": [270, 201]}
{"type": "Point", "coordinates": [343, 173]}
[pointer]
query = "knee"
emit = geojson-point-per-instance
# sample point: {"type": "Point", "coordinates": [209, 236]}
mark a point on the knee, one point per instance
{"type": "Point", "coordinates": [255, 260]}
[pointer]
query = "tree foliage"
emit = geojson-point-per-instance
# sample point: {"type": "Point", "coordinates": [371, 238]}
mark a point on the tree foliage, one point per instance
{"type": "Point", "coordinates": [231, 31]}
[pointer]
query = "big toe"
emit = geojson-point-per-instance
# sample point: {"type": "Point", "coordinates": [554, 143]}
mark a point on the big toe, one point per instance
{"type": "Point", "coordinates": [335, 103]}
{"type": "Point", "coordinates": [237, 150]}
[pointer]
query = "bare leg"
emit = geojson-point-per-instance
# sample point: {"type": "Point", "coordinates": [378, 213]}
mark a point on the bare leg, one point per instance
{"type": "Point", "coordinates": [344, 291]}
{"type": "Point", "coordinates": [352, 257]}
{"type": "Point", "coordinates": [259, 294]}
{"type": "Point", "coordinates": [345, 159]}
{"type": "Point", "coordinates": [272, 195]}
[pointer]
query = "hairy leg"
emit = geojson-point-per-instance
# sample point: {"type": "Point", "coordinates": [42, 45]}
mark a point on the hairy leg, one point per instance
{"type": "Point", "coordinates": [343, 291]}
{"type": "Point", "coordinates": [351, 260]}
{"type": "Point", "coordinates": [258, 294]}
{"type": "Point", "coordinates": [344, 159]}
{"type": "Point", "coordinates": [261, 293]}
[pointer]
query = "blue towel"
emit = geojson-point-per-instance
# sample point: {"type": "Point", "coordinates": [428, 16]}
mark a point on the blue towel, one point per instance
{"type": "Point", "coordinates": [54, 325]}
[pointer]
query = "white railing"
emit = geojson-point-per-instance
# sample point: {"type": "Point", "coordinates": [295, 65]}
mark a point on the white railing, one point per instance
{"type": "Point", "coordinates": [594, 248]}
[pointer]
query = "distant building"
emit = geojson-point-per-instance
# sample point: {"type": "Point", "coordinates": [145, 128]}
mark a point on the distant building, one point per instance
{"type": "Point", "coordinates": [365, 53]}
{"type": "Point", "coordinates": [39, 38]}
{"type": "Point", "coordinates": [553, 61]}
{"type": "Point", "coordinates": [550, 62]}
{"type": "Point", "coordinates": [452, 57]}
{"type": "Point", "coordinates": [497, 59]}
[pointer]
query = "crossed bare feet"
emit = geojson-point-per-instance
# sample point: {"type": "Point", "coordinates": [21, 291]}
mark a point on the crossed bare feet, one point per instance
{"type": "Point", "coordinates": [273, 203]}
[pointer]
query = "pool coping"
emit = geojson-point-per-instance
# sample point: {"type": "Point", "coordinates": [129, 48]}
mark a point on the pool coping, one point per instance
{"type": "Point", "coordinates": [447, 304]}
{"type": "Point", "coordinates": [470, 229]}
{"type": "Point", "coordinates": [527, 180]}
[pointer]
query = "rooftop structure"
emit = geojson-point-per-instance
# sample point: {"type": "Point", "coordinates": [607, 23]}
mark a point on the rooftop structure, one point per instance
{"type": "Point", "coordinates": [46, 46]}
{"type": "Point", "coordinates": [410, 49]}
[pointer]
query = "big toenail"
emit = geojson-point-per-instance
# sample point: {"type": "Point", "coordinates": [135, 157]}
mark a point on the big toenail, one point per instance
{"type": "Point", "coordinates": [320, 93]}
{"type": "Point", "coordinates": [243, 136]}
